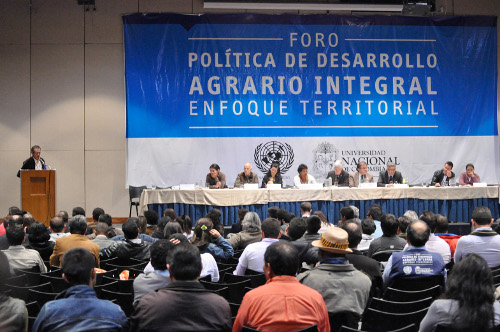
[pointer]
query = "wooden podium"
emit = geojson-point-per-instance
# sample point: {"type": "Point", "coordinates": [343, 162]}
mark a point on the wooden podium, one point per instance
{"type": "Point", "coordinates": [38, 194]}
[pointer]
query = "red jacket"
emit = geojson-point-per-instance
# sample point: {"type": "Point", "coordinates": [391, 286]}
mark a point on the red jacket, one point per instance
{"type": "Point", "coordinates": [452, 240]}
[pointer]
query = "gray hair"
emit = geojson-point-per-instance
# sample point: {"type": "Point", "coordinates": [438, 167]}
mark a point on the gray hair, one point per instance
{"type": "Point", "coordinates": [391, 164]}
{"type": "Point", "coordinates": [78, 225]}
{"type": "Point", "coordinates": [411, 214]}
{"type": "Point", "coordinates": [251, 222]}
{"type": "Point", "coordinates": [355, 210]}
{"type": "Point", "coordinates": [338, 164]}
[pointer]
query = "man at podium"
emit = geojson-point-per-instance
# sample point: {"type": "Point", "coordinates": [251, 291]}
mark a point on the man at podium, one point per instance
{"type": "Point", "coordinates": [35, 162]}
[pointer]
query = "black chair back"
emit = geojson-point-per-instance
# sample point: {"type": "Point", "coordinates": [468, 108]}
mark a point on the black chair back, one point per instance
{"type": "Point", "coordinates": [124, 286]}
{"type": "Point", "coordinates": [124, 300]}
{"type": "Point", "coordinates": [58, 284]}
{"type": "Point", "coordinates": [110, 273]}
{"type": "Point", "coordinates": [383, 256]}
{"type": "Point", "coordinates": [20, 280]}
{"type": "Point", "coordinates": [41, 297]}
{"type": "Point", "coordinates": [33, 309]}
{"type": "Point", "coordinates": [398, 295]}
{"type": "Point", "coordinates": [112, 286]}
{"type": "Point", "coordinates": [346, 318]}
{"type": "Point", "coordinates": [400, 307]}
{"type": "Point", "coordinates": [416, 284]}
{"type": "Point", "coordinates": [376, 320]}
{"type": "Point", "coordinates": [33, 278]}
{"type": "Point", "coordinates": [237, 290]}
{"type": "Point", "coordinates": [22, 292]}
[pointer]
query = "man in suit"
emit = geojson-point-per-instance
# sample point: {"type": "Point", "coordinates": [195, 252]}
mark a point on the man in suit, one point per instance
{"type": "Point", "coordinates": [34, 162]}
{"type": "Point", "coordinates": [339, 175]}
{"type": "Point", "coordinates": [442, 177]}
{"type": "Point", "coordinates": [390, 176]}
{"type": "Point", "coordinates": [361, 176]}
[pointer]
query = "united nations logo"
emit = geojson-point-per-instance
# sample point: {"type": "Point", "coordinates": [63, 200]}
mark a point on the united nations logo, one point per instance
{"type": "Point", "coordinates": [267, 153]}
{"type": "Point", "coordinates": [325, 155]}
{"type": "Point", "coordinates": [407, 269]}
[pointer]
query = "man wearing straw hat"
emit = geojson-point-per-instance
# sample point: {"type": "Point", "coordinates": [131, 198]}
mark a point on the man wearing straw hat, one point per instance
{"type": "Point", "coordinates": [343, 288]}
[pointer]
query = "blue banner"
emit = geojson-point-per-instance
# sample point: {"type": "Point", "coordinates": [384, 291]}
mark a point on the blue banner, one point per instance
{"type": "Point", "coordinates": [250, 75]}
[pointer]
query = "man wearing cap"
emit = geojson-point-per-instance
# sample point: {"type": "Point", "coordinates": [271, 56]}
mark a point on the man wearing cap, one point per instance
{"type": "Point", "coordinates": [343, 288]}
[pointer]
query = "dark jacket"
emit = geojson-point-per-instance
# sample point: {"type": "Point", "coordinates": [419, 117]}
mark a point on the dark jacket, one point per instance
{"type": "Point", "coordinates": [45, 249]}
{"type": "Point", "coordinates": [277, 179]}
{"type": "Point", "coordinates": [343, 178]}
{"type": "Point", "coordinates": [383, 178]}
{"type": "Point", "coordinates": [438, 177]}
{"type": "Point", "coordinates": [185, 306]}
{"type": "Point", "coordinates": [127, 249]}
{"type": "Point", "coordinates": [30, 164]}
{"type": "Point", "coordinates": [307, 253]}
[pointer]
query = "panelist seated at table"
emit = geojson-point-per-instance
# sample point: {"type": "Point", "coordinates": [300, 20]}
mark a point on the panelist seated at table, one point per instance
{"type": "Point", "coordinates": [215, 179]}
{"type": "Point", "coordinates": [34, 162]}
{"type": "Point", "coordinates": [390, 176]}
{"type": "Point", "coordinates": [443, 176]}
{"type": "Point", "coordinates": [468, 177]}
{"type": "Point", "coordinates": [361, 176]}
{"type": "Point", "coordinates": [303, 177]}
{"type": "Point", "coordinates": [339, 176]}
{"type": "Point", "coordinates": [247, 176]}
{"type": "Point", "coordinates": [272, 176]}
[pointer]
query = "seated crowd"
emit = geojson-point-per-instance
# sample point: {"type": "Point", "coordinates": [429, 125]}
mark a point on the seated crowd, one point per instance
{"type": "Point", "coordinates": [183, 276]}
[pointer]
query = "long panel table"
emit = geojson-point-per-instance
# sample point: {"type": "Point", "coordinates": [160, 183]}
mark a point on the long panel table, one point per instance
{"type": "Point", "coordinates": [457, 203]}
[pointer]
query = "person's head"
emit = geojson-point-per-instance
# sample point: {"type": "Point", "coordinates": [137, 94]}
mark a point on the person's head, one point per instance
{"type": "Point", "coordinates": [361, 168]}
{"type": "Point", "coordinates": [391, 168]}
{"type": "Point", "coordinates": [38, 233]}
{"type": "Point", "coordinates": [281, 259]}
{"type": "Point", "coordinates": [78, 267]}
{"type": "Point", "coordinates": [338, 166]}
{"type": "Point", "coordinates": [64, 216]}
{"type": "Point", "coordinates": [321, 216]}
{"type": "Point", "coordinates": [35, 151]}
{"type": "Point", "coordinates": [214, 170]}
{"type": "Point", "coordinates": [170, 213]}
{"type": "Point", "coordinates": [281, 215]}
{"type": "Point", "coordinates": [448, 166]}
{"type": "Point", "coordinates": [186, 223]}
{"type": "Point", "coordinates": [172, 227]}
{"type": "Point", "coordinates": [151, 217]}
{"type": "Point", "coordinates": [241, 214]}
{"type": "Point", "coordinates": [13, 210]}
{"type": "Point", "coordinates": [389, 224]}
{"type": "Point", "coordinates": [428, 217]}
{"type": "Point", "coordinates": [417, 233]}
{"type": "Point", "coordinates": [411, 214]}
{"type": "Point", "coordinates": [374, 212]}
{"type": "Point", "coordinates": [15, 234]}
{"type": "Point", "coordinates": [159, 251]}
{"type": "Point", "coordinates": [247, 169]}
{"type": "Point", "coordinates": [101, 229]}
{"type": "Point", "coordinates": [481, 217]}
{"type": "Point", "coordinates": [162, 223]}
{"type": "Point", "coordinates": [333, 243]}
{"type": "Point", "coordinates": [96, 213]}
{"type": "Point", "coordinates": [441, 223]}
{"type": "Point", "coordinates": [297, 228]}
{"type": "Point", "coordinates": [78, 225]}
{"type": "Point", "coordinates": [289, 216]}
{"type": "Point", "coordinates": [368, 226]}
{"type": "Point", "coordinates": [313, 224]}
{"type": "Point", "coordinates": [28, 220]}
{"type": "Point", "coordinates": [4, 271]}
{"type": "Point", "coordinates": [130, 229]}
{"type": "Point", "coordinates": [305, 208]}
{"type": "Point", "coordinates": [56, 225]}
{"type": "Point", "coordinates": [273, 212]}
{"type": "Point", "coordinates": [356, 211]}
{"type": "Point", "coordinates": [271, 228]}
{"type": "Point", "coordinates": [302, 169]}
{"type": "Point", "coordinates": [470, 283]}
{"type": "Point", "coordinates": [274, 169]}
{"type": "Point", "coordinates": [78, 211]}
{"type": "Point", "coordinates": [215, 215]}
{"type": "Point", "coordinates": [251, 222]}
{"type": "Point", "coordinates": [184, 262]}
{"type": "Point", "coordinates": [106, 218]}
{"type": "Point", "coordinates": [202, 231]}
{"type": "Point", "coordinates": [142, 224]}
{"type": "Point", "coordinates": [354, 233]}
{"type": "Point", "coordinates": [403, 223]}
{"type": "Point", "coordinates": [346, 213]}
{"type": "Point", "coordinates": [469, 169]}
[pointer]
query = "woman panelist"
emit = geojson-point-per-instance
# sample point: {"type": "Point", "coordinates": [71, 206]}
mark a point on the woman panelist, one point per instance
{"type": "Point", "coordinates": [468, 177]}
{"type": "Point", "coordinates": [215, 179]}
{"type": "Point", "coordinates": [272, 176]}
{"type": "Point", "coordinates": [303, 177]}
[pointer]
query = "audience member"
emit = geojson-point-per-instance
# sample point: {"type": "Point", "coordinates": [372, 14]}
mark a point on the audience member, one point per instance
{"type": "Point", "coordinates": [151, 217]}
{"type": "Point", "coordinates": [483, 240]}
{"type": "Point", "coordinates": [65, 218]}
{"type": "Point", "coordinates": [172, 227]}
{"type": "Point", "coordinates": [215, 215]}
{"type": "Point", "coordinates": [101, 231]}
{"type": "Point", "coordinates": [282, 304]}
{"type": "Point", "coordinates": [389, 239]}
{"type": "Point", "coordinates": [403, 223]}
{"type": "Point", "coordinates": [468, 303]}
{"type": "Point", "coordinates": [295, 230]}
{"type": "Point", "coordinates": [344, 289]}
{"type": "Point", "coordinates": [346, 213]}
{"type": "Point", "coordinates": [57, 228]}
{"type": "Point", "coordinates": [237, 226]}
{"type": "Point", "coordinates": [78, 308]}
{"type": "Point", "coordinates": [160, 227]}
{"type": "Point", "coordinates": [324, 222]}
{"type": "Point", "coordinates": [78, 211]}
{"type": "Point", "coordinates": [252, 257]}
{"type": "Point", "coordinates": [313, 225]}
{"type": "Point", "coordinates": [95, 219]}
{"type": "Point", "coordinates": [203, 233]}
{"type": "Point", "coordinates": [184, 304]}
{"type": "Point", "coordinates": [368, 227]}
{"type": "Point", "coordinates": [375, 213]}
{"type": "Point", "coordinates": [141, 225]}
{"type": "Point", "coordinates": [132, 247]}
{"type": "Point", "coordinates": [305, 209]}
{"type": "Point", "coordinates": [435, 243]}
{"type": "Point", "coordinates": [113, 231]}
{"type": "Point", "coordinates": [10, 220]}
{"type": "Point", "coordinates": [39, 240]}
{"type": "Point", "coordinates": [187, 226]}
{"type": "Point", "coordinates": [414, 261]}
{"type": "Point", "coordinates": [13, 314]}
{"type": "Point", "coordinates": [272, 212]}
{"type": "Point", "coordinates": [441, 230]}
{"type": "Point", "coordinates": [411, 214]}
{"type": "Point", "coordinates": [19, 257]}
{"type": "Point", "coordinates": [251, 232]}
{"type": "Point", "coordinates": [170, 213]}
{"type": "Point", "coordinates": [145, 283]}
{"type": "Point", "coordinates": [13, 210]}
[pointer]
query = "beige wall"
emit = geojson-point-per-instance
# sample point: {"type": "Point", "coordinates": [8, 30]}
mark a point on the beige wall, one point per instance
{"type": "Point", "coordinates": [62, 87]}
